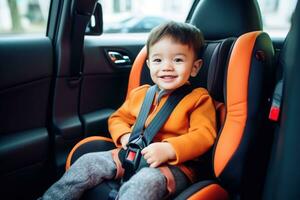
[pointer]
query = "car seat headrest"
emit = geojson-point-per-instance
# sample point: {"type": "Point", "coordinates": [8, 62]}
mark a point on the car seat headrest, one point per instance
{"type": "Point", "coordinates": [226, 18]}
{"type": "Point", "coordinates": [217, 68]}
{"type": "Point", "coordinates": [211, 76]}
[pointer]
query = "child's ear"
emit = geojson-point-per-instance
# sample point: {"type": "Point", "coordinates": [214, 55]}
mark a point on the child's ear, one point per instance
{"type": "Point", "coordinates": [196, 67]}
{"type": "Point", "coordinates": [148, 64]}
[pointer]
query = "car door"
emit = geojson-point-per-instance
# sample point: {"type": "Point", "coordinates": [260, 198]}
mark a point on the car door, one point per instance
{"type": "Point", "coordinates": [105, 77]}
{"type": "Point", "coordinates": [26, 74]}
{"type": "Point", "coordinates": [39, 92]}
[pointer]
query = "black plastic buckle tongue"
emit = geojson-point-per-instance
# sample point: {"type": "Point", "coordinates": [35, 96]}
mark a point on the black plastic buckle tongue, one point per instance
{"type": "Point", "coordinates": [133, 153]}
{"type": "Point", "coordinates": [131, 162]}
{"type": "Point", "coordinates": [132, 157]}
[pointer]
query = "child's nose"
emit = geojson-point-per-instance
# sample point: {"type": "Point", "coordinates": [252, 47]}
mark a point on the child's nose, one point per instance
{"type": "Point", "coordinates": [168, 66]}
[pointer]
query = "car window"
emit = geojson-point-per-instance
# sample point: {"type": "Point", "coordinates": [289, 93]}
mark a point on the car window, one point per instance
{"type": "Point", "coordinates": [23, 17]}
{"type": "Point", "coordinates": [276, 16]}
{"type": "Point", "coordinates": [140, 16]}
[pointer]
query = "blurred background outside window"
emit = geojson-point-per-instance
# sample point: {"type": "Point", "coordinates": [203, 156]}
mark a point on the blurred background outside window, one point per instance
{"type": "Point", "coordinates": [23, 16]}
{"type": "Point", "coordinates": [131, 16]}
{"type": "Point", "coordinates": [140, 16]}
{"type": "Point", "coordinates": [276, 16]}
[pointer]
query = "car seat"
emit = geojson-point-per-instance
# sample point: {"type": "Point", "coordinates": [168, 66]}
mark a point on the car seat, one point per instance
{"type": "Point", "coordinates": [246, 102]}
{"type": "Point", "coordinates": [215, 54]}
{"type": "Point", "coordinates": [244, 94]}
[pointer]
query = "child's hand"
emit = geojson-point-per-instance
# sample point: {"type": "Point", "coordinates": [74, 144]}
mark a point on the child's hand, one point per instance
{"type": "Point", "coordinates": [158, 153]}
{"type": "Point", "coordinates": [124, 140]}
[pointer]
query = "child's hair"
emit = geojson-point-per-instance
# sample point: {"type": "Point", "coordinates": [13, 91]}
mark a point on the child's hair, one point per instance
{"type": "Point", "coordinates": [183, 33]}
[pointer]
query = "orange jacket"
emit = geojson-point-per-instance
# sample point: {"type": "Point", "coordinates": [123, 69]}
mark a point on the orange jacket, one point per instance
{"type": "Point", "coordinates": [190, 129]}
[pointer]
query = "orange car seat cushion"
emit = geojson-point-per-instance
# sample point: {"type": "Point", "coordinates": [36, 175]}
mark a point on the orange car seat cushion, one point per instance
{"type": "Point", "coordinates": [237, 91]}
{"type": "Point", "coordinates": [210, 192]}
{"type": "Point", "coordinates": [136, 70]}
{"type": "Point", "coordinates": [82, 142]}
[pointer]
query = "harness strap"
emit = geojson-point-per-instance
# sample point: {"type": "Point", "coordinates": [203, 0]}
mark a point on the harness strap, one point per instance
{"type": "Point", "coordinates": [164, 113]}
{"type": "Point", "coordinates": [161, 117]}
{"type": "Point", "coordinates": [132, 160]}
{"type": "Point", "coordinates": [143, 114]}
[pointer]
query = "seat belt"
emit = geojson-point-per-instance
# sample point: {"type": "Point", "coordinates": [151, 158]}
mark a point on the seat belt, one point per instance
{"type": "Point", "coordinates": [143, 114]}
{"type": "Point", "coordinates": [131, 159]}
{"type": "Point", "coordinates": [276, 102]}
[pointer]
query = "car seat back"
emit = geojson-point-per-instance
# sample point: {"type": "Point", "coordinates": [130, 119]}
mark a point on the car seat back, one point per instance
{"type": "Point", "coordinates": [247, 92]}
{"type": "Point", "coordinates": [226, 18]}
{"type": "Point", "coordinates": [237, 156]}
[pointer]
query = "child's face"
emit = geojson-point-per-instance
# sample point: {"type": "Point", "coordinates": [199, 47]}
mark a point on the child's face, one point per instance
{"type": "Point", "coordinates": [171, 64]}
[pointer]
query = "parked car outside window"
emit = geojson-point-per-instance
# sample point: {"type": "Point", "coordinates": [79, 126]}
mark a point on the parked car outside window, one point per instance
{"type": "Point", "coordinates": [134, 24]}
{"type": "Point", "coordinates": [140, 16]}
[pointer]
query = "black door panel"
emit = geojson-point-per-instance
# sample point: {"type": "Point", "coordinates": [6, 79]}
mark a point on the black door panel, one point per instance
{"type": "Point", "coordinates": [96, 59]}
{"type": "Point", "coordinates": [22, 147]}
{"type": "Point", "coordinates": [24, 60]}
{"type": "Point", "coordinates": [104, 83]}
{"type": "Point", "coordinates": [103, 91]}
{"type": "Point", "coordinates": [26, 71]}
{"type": "Point", "coordinates": [95, 123]}
{"type": "Point", "coordinates": [24, 107]}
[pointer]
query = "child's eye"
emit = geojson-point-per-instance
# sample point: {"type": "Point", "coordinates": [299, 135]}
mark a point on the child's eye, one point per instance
{"type": "Point", "coordinates": [178, 60]}
{"type": "Point", "coordinates": [156, 60]}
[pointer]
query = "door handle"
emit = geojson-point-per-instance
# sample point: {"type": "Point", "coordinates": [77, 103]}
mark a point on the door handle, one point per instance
{"type": "Point", "coordinates": [119, 58]}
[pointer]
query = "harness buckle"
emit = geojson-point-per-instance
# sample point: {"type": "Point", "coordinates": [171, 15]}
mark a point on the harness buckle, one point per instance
{"type": "Point", "coordinates": [133, 157]}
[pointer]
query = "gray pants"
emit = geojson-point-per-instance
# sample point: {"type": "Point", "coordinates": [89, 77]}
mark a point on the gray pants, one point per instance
{"type": "Point", "coordinates": [93, 168]}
